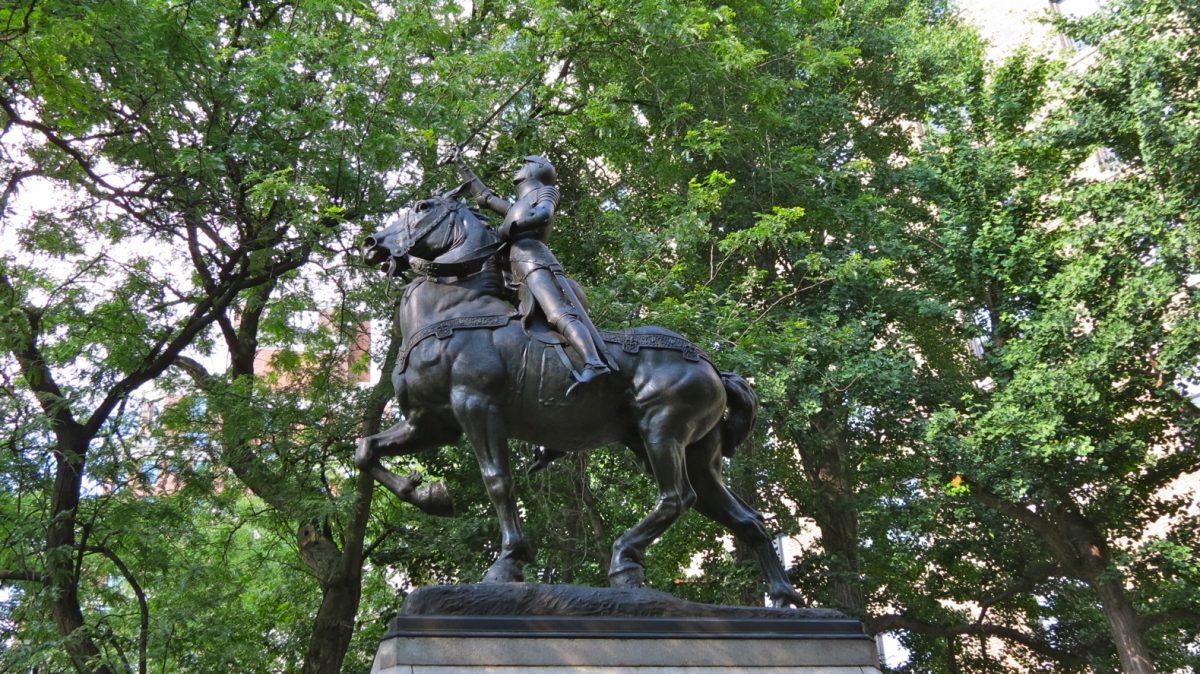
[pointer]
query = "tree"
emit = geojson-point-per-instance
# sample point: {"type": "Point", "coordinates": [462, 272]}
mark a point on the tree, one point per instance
{"type": "Point", "coordinates": [1077, 283]}
{"type": "Point", "coordinates": [752, 181]}
{"type": "Point", "coordinates": [198, 151]}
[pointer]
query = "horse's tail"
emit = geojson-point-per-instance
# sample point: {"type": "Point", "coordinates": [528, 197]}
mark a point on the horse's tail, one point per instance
{"type": "Point", "coordinates": [741, 412]}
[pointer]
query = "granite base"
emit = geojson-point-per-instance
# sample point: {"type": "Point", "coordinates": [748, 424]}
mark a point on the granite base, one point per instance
{"type": "Point", "coordinates": [425, 644]}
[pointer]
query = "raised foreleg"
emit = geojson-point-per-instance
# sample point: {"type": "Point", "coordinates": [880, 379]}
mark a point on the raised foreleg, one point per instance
{"type": "Point", "coordinates": [406, 438]}
{"type": "Point", "coordinates": [415, 433]}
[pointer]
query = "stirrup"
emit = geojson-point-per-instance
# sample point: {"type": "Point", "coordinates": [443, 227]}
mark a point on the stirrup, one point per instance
{"type": "Point", "coordinates": [590, 372]}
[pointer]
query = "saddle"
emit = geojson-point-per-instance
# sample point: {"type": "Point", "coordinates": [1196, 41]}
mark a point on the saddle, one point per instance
{"type": "Point", "coordinates": [538, 329]}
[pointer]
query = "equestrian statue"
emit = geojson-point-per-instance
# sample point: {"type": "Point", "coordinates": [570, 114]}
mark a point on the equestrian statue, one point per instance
{"type": "Point", "coordinates": [473, 364]}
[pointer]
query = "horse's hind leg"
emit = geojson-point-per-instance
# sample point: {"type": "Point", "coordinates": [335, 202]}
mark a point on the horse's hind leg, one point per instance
{"type": "Point", "coordinates": [675, 496]}
{"type": "Point", "coordinates": [717, 502]}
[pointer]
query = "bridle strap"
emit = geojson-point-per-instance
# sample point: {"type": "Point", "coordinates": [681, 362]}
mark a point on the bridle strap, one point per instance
{"type": "Point", "coordinates": [465, 267]}
{"type": "Point", "coordinates": [428, 225]}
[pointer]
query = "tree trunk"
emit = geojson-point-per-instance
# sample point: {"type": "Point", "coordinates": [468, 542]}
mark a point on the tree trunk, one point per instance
{"type": "Point", "coordinates": [70, 457]}
{"type": "Point", "coordinates": [1123, 621]}
{"type": "Point", "coordinates": [1082, 551]}
{"type": "Point", "coordinates": [62, 571]}
{"type": "Point", "coordinates": [1097, 568]}
{"type": "Point", "coordinates": [332, 630]}
{"type": "Point", "coordinates": [334, 626]}
{"type": "Point", "coordinates": [839, 536]}
{"type": "Point", "coordinates": [826, 461]}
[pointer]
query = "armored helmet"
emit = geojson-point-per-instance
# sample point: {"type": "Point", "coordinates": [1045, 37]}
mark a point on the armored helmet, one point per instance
{"type": "Point", "coordinates": [536, 168]}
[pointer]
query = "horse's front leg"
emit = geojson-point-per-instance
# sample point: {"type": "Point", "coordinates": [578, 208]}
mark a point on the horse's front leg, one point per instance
{"type": "Point", "coordinates": [481, 418]}
{"type": "Point", "coordinates": [416, 432]}
{"type": "Point", "coordinates": [407, 437]}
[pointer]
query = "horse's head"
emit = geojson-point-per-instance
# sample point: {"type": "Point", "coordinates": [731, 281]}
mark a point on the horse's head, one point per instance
{"type": "Point", "coordinates": [418, 230]}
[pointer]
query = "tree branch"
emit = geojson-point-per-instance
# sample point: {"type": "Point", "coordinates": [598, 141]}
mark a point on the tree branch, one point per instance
{"type": "Point", "coordinates": [1028, 578]}
{"type": "Point", "coordinates": [1149, 620]}
{"type": "Point", "coordinates": [164, 354]}
{"type": "Point", "coordinates": [894, 622]}
{"type": "Point", "coordinates": [1044, 528]}
{"type": "Point", "coordinates": [34, 369]}
{"type": "Point", "coordinates": [11, 187]}
{"type": "Point", "coordinates": [244, 342]}
{"type": "Point", "coordinates": [81, 160]}
{"type": "Point", "coordinates": [194, 369]}
{"type": "Point", "coordinates": [9, 33]}
{"type": "Point", "coordinates": [143, 605]}
{"type": "Point", "coordinates": [7, 576]}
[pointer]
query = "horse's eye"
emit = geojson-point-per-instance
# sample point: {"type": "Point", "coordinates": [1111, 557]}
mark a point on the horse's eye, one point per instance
{"type": "Point", "coordinates": [422, 206]}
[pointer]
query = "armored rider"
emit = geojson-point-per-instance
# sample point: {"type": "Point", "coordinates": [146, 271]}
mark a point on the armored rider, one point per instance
{"type": "Point", "coordinates": [527, 224]}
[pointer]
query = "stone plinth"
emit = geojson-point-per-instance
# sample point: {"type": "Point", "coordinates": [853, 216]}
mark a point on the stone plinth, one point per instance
{"type": "Point", "coordinates": [429, 644]}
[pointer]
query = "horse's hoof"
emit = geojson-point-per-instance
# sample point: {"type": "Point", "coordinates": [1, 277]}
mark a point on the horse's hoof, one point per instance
{"type": "Point", "coordinates": [630, 578]}
{"type": "Point", "coordinates": [787, 599]}
{"type": "Point", "coordinates": [504, 571]}
{"type": "Point", "coordinates": [434, 499]}
{"type": "Point", "coordinates": [542, 458]}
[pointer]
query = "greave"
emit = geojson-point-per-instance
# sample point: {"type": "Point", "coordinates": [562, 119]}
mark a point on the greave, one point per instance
{"type": "Point", "coordinates": [580, 337]}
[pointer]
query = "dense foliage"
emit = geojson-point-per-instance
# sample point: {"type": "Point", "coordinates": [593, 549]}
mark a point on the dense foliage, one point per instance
{"type": "Point", "coordinates": [967, 294]}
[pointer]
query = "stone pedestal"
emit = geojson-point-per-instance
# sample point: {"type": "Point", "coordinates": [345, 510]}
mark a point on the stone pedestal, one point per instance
{"type": "Point", "coordinates": [433, 644]}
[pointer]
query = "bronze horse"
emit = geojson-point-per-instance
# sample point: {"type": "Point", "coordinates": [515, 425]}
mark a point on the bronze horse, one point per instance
{"type": "Point", "coordinates": [470, 366]}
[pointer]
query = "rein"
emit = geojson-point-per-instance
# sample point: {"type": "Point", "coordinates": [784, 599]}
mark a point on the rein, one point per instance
{"type": "Point", "coordinates": [466, 267]}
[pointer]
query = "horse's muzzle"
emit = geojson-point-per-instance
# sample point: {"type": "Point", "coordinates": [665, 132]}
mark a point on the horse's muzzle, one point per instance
{"type": "Point", "coordinates": [384, 244]}
{"type": "Point", "coordinates": [373, 253]}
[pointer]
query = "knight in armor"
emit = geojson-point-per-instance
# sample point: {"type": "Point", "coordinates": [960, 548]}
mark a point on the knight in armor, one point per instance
{"type": "Point", "coordinates": [535, 270]}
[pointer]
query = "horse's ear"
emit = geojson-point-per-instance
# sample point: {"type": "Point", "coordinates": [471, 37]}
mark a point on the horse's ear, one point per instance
{"type": "Point", "coordinates": [458, 192]}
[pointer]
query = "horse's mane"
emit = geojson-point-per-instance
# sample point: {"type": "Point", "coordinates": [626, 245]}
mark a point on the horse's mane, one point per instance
{"type": "Point", "coordinates": [490, 281]}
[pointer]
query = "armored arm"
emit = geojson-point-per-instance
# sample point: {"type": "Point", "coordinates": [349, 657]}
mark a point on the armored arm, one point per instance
{"type": "Point", "coordinates": [539, 214]}
{"type": "Point", "coordinates": [484, 196]}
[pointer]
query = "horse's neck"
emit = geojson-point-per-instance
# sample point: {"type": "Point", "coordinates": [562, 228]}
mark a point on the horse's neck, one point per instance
{"type": "Point", "coordinates": [456, 240]}
{"type": "Point", "coordinates": [444, 239]}
{"type": "Point", "coordinates": [429, 300]}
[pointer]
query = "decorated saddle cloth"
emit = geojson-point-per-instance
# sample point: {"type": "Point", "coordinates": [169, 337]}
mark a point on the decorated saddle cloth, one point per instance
{"type": "Point", "coordinates": [549, 352]}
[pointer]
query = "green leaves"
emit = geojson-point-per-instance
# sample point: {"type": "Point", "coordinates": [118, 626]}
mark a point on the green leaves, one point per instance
{"type": "Point", "coordinates": [962, 344]}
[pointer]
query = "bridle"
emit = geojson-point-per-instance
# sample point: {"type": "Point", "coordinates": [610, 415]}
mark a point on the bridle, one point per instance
{"type": "Point", "coordinates": [471, 264]}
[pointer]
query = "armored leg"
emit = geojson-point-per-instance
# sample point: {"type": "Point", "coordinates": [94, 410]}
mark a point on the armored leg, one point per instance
{"type": "Point", "coordinates": [565, 317]}
{"type": "Point", "coordinates": [570, 290]}
{"type": "Point", "coordinates": [577, 333]}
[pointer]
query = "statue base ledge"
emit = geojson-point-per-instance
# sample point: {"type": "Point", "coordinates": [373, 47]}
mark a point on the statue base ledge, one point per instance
{"type": "Point", "coordinates": [535, 599]}
{"type": "Point", "coordinates": [442, 633]}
